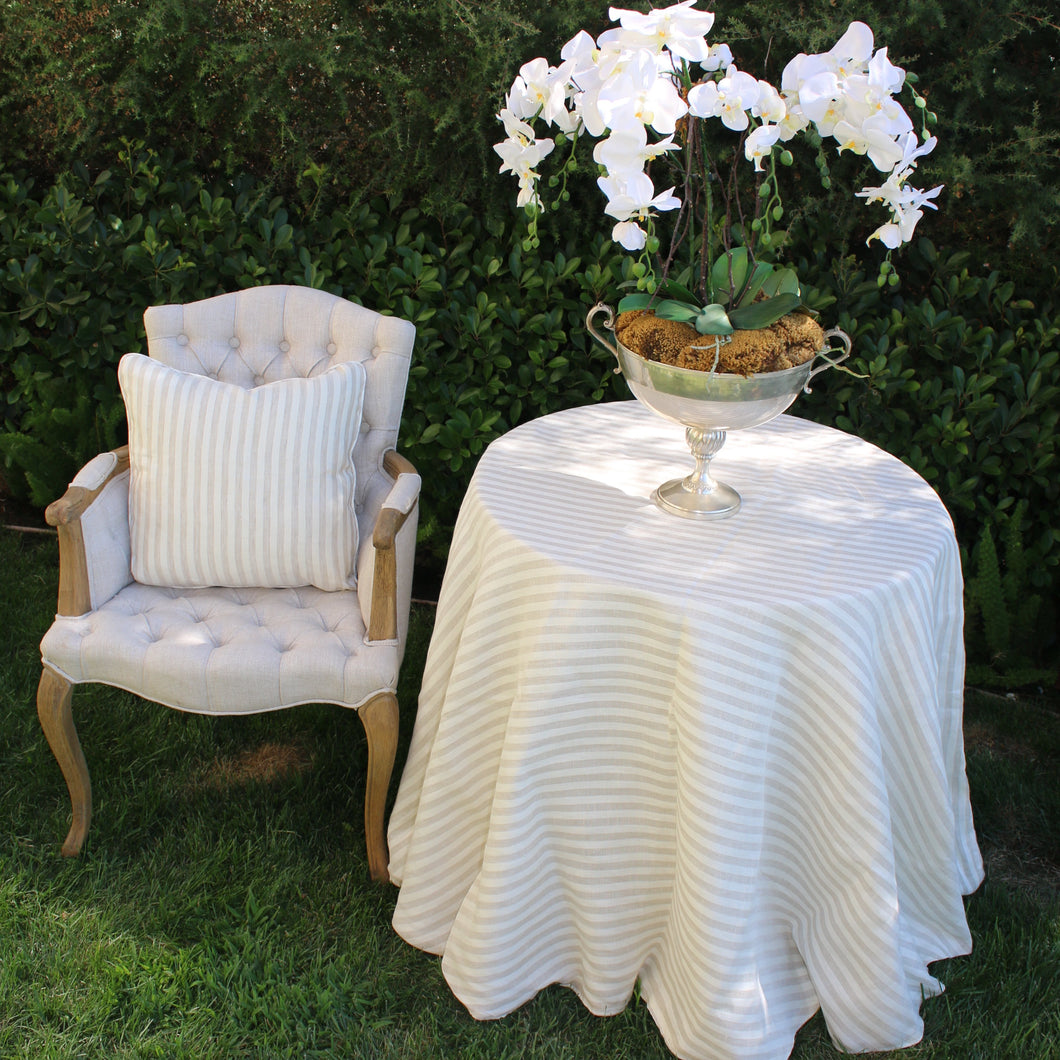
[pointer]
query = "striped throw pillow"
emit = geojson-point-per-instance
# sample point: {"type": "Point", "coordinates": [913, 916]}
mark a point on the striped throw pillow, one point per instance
{"type": "Point", "coordinates": [239, 487]}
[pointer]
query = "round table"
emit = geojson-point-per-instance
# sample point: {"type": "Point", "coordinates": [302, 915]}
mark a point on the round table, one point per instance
{"type": "Point", "coordinates": [721, 758]}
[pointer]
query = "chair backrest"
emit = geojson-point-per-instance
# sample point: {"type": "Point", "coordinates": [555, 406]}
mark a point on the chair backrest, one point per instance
{"type": "Point", "coordinates": [275, 332]}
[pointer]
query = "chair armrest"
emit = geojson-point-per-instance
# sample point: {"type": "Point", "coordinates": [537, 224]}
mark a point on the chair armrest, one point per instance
{"type": "Point", "coordinates": [398, 508]}
{"type": "Point", "coordinates": [68, 515]}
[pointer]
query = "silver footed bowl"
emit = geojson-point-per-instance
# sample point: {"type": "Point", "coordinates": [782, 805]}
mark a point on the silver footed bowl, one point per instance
{"type": "Point", "coordinates": [708, 404]}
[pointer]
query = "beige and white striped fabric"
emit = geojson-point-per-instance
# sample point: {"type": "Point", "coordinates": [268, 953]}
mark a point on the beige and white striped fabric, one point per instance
{"type": "Point", "coordinates": [721, 758]}
{"type": "Point", "coordinates": [236, 487]}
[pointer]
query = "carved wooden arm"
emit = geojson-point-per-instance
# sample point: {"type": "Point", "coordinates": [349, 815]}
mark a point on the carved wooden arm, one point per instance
{"type": "Point", "coordinates": [65, 514]}
{"type": "Point", "coordinates": [383, 624]}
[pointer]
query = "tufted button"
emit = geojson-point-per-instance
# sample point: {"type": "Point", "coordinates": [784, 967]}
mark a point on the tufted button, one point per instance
{"type": "Point", "coordinates": [285, 346]}
{"type": "Point", "coordinates": [183, 340]}
{"type": "Point", "coordinates": [332, 348]}
{"type": "Point", "coordinates": [259, 380]}
{"type": "Point", "coordinates": [234, 342]}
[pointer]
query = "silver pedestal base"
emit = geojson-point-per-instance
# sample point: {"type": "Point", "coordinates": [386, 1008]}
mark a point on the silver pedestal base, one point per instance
{"type": "Point", "coordinates": [698, 496]}
{"type": "Point", "coordinates": [676, 498]}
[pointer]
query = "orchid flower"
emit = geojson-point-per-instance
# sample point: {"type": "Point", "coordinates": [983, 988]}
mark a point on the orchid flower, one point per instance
{"type": "Point", "coordinates": [638, 96]}
{"type": "Point", "coordinates": [678, 29]}
{"type": "Point", "coordinates": [520, 156]}
{"type": "Point", "coordinates": [760, 142]}
{"type": "Point", "coordinates": [631, 200]}
{"type": "Point", "coordinates": [728, 99]}
{"type": "Point", "coordinates": [539, 89]}
{"type": "Point", "coordinates": [625, 90]}
{"type": "Point", "coordinates": [627, 150]}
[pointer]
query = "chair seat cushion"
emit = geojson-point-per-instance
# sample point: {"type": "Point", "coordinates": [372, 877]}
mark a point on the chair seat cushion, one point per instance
{"type": "Point", "coordinates": [241, 487]}
{"type": "Point", "coordinates": [225, 650]}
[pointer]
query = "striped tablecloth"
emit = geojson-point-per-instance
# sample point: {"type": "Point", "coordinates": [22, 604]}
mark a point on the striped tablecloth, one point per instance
{"type": "Point", "coordinates": [723, 758]}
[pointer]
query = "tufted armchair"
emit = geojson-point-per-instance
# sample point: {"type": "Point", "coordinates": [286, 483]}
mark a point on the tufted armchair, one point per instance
{"type": "Point", "coordinates": [244, 648]}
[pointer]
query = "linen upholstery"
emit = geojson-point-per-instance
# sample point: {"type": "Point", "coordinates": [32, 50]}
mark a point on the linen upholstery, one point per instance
{"type": "Point", "coordinates": [107, 541]}
{"type": "Point", "coordinates": [242, 487]}
{"type": "Point", "coordinates": [193, 648]}
{"type": "Point", "coordinates": [236, 650]}
{"type": "Point", "coordinates": [277, 332]}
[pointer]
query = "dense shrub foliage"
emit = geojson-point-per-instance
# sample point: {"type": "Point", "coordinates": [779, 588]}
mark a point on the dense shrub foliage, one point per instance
{"type": "Point", "coordinates": [957, 372]}
{"type": "Point", "coordinates": [314, 97]}
{"type": "Point", "coordinates": [348, 146]}
{"type": "Point", "coordinates": [321, 98]}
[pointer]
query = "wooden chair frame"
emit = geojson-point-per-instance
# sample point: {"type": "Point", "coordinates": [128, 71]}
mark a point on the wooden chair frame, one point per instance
{"type": "Point", "coordinates": [379, 715]}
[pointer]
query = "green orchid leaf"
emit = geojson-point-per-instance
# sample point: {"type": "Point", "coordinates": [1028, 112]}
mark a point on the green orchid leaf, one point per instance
{"type": "Point", "coordinates": [634, 301]}
{"type": "Point", "coordinates": [729, 273]}
{"type": "Point", "coordinates": [764, 313]}
{"type": "Point", "coordinates": [712, 320]}
{"type": "Point", "coordinates": [669, 310]}
{"type": "Point", "coordinates": [672, 289]}
{"type": "Point", "coordinates": [781, 281]}
{"type": "Point", "coordinates": [686, 278]}
{"type": "Point", "coordinates": [761, 273]}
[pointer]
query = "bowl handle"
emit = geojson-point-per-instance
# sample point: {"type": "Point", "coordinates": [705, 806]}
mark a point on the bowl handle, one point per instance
{"type": "Point", "coordinates": [609, 323]}
{"type": "Point", "coordinates": [830, 362]}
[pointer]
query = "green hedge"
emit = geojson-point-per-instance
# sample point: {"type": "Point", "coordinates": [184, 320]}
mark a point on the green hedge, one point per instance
{"type": "Point", "coordinates": [318, 99]}
{"type": "Point", "coordinates": [960, 368]}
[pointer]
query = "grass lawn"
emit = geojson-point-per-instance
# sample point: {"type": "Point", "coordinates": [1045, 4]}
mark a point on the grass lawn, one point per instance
{"type": "Point", "coordinates": [222, 906]}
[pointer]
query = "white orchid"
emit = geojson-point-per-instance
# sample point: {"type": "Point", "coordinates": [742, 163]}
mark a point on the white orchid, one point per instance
{"type": "Point", "coordinates": [630, 200]}
{"type": "Point", "coordinates": [760, 143]}
{"type": "Point", "coordinates": [678, 29]}
{"type": "Point", "coordinates": [637, 96]}
{"type": "Point", "coordinates": [729, 99]}
{"type": "Point", "coordinates": [627, 151]}
{"type": "Point", "coordinates": [646, 90]}
{"type": "Point", "coordinates": [719, 57]}
{"type": "Point", "coordinates": [906, 204]}
{"type": "Point", "coordinates": [521, 154]}
{"type": "Point", "coordinates": [539, 89]}
{"type": "Point", "coordinates": [852, 52]}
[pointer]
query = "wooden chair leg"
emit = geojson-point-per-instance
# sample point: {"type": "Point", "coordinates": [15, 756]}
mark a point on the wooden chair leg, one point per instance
{"type": "Point", "coordinates": [54, 695]}
{"type": "Point", "coordinates": [380, 719]}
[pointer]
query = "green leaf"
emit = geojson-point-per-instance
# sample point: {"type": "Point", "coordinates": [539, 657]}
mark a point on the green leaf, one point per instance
{"type": "Point", "coordinates": [762, 314]}
{"type": "Point", "coordinates": [781, 281]}
{"type": "Point", "coordinates": [762, 271]}
{"type": "Point", "coordinates": [729, 273]}
{"type": "Point", "coordinates": [667, 310]}
{"type": "Point", "coordinates": [672, 289]}
{"type": "Point", "coordinates": [712, 320]}
{"type": "Point", "coordinates": [634, 301]}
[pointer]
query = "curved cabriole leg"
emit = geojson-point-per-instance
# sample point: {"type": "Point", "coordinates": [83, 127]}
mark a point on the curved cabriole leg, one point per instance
{"type": "Point", "coordinates": [57, 720]}
{"type": "Point", "coordinates": [380, 719]}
